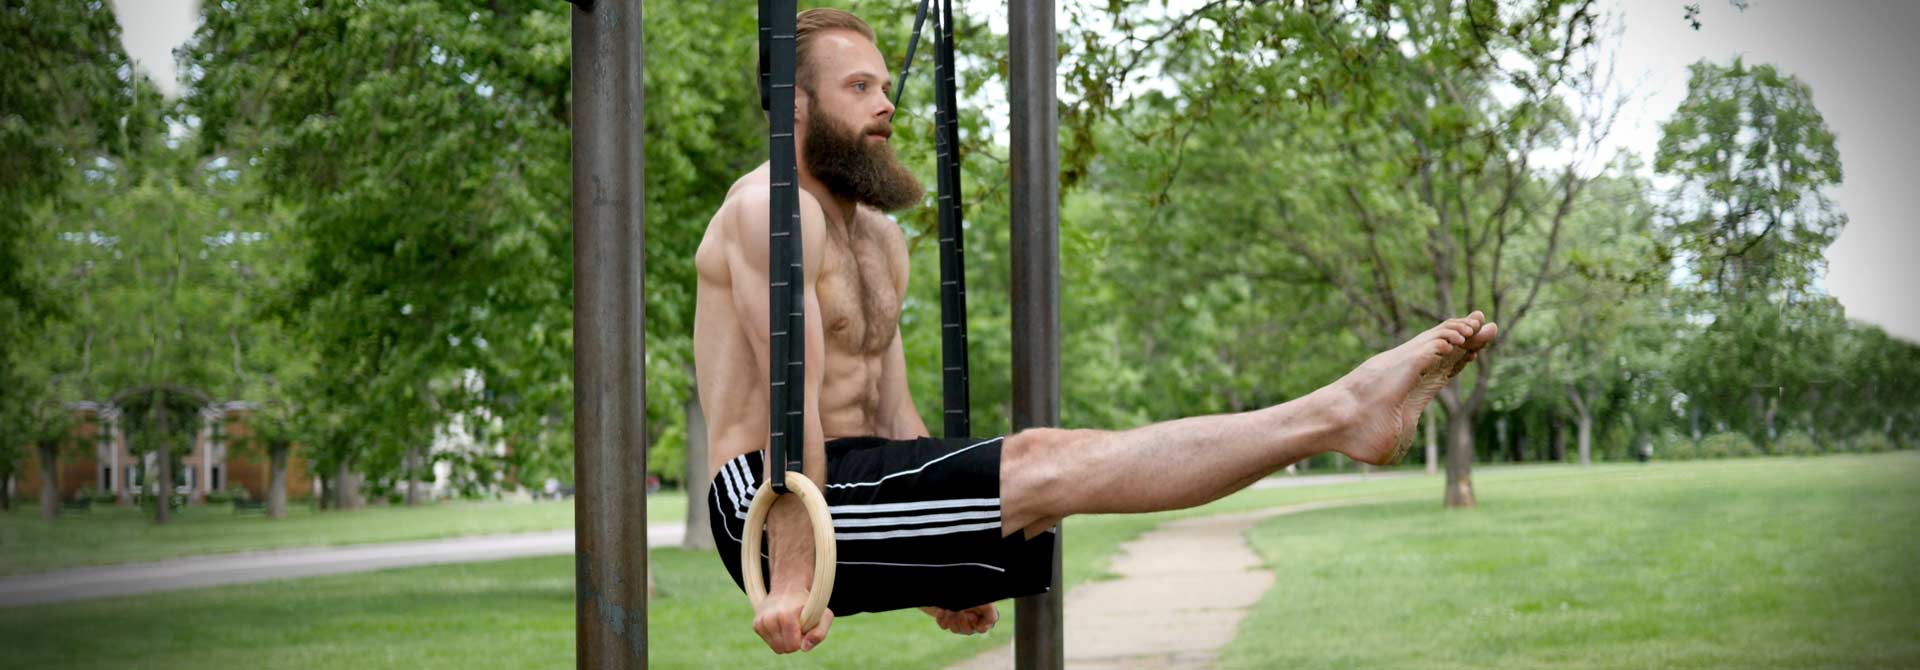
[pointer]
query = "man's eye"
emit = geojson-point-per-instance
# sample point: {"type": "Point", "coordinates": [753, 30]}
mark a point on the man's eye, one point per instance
{"type": "Point", "coordinates": [860, 86]}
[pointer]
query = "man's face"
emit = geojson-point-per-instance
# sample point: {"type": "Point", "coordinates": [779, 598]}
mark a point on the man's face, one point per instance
{"type": "Point", "coordinates": [846, 122]}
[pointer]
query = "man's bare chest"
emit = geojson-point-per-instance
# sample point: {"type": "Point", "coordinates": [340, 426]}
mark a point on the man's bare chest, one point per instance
{"type": "Point", "coordinates": [859, 305]}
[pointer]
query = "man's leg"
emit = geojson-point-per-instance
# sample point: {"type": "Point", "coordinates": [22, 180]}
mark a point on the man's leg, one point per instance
{"type": "Point", "coordinates": [1370, 415]}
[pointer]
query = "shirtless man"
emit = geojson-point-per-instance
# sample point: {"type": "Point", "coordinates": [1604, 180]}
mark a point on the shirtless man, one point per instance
{"type": "Point", "coordinates": [952, 525]}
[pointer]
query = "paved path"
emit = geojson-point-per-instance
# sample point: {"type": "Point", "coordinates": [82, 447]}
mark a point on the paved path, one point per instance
{"type": "Point", "coordinates": [1181, 592]}
{"type": "Point", "coordinates": [220, 569]}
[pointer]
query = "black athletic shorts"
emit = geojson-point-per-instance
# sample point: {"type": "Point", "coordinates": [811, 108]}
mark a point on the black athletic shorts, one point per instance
{"type": "Point", "coordinates": [916, 523]}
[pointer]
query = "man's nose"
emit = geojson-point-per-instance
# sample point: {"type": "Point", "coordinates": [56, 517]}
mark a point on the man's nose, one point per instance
{"type": "Point", "coordinates": [886, 108]}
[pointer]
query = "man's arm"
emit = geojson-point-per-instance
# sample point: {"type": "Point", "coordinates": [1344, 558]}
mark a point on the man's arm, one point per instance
{"type": "Point", "coordinates": [905, 421]}
{"type": "Point", "coordinates": [893, 382]}
{"type": "Point", "coordinates": [791, 548]}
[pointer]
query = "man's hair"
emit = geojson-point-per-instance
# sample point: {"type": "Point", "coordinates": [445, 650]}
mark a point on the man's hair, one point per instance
{"type": "Point", "coordinates": [810, 24]}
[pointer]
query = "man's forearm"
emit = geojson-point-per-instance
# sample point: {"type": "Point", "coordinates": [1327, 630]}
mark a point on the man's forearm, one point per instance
{"type": "Point", "coordinates": [791, 545]}
{"type": "Point", "coordinates": [791, 531]}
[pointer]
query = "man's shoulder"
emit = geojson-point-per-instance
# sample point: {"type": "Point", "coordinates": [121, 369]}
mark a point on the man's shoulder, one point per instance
{"type": "Point", "coordinates": [750, 191]}
{"type": "Point", "coordinates": [744, 217]}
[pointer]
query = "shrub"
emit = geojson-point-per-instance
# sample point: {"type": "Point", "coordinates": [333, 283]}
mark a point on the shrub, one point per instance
{"type": "Point", "coordinates": [1795, 443]}
{"type": "Point", "coordinates": [219, 497]}
{"type": "Point", "coordinates": [1728, 445]}
{"type": "Point", "coordinates": [239, 492]}
{"type": "Point", "coordinates": [1673, 446]}
{"type": "Point", "coordinates": [1869, 442]}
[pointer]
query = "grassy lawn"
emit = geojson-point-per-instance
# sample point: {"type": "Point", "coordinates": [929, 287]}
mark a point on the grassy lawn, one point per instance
{"type": "Point", "coordinates": [109, 534]}
{"type": "Point", "coordinates": [517, 614]}
{"type": "Point", "coordinates": [1760, 563]}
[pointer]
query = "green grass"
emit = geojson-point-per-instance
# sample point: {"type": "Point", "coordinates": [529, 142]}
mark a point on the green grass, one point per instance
{"type": "Point", "coordinates": [110, 534]}
{"type": "Point", "coordinates": [1762, 563]}
{"type": "Point", "coordinates": [1776, 563]}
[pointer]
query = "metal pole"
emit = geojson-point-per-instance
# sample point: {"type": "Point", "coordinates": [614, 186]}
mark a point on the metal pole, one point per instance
{"type": "Point", "coordinates": [1035, 172]}
{"type": "Point", "coordinates": [609, 383]}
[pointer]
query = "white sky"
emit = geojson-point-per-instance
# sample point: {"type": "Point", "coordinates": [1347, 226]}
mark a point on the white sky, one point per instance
{"type": "Point", "coordinates": [1861, 57]}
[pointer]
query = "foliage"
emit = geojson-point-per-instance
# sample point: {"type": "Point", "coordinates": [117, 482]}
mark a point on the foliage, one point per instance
{"type": "Point", "coordinates": [1673, 446]}
{"type": "Point", "coordinates": [1796, 443]}
{"type": "Point", "coordinates": [67, 106]}
{"type": "Point", "coordinates": [1728, 445]}
{"type": "Point", "coordinates": [1868, 442]}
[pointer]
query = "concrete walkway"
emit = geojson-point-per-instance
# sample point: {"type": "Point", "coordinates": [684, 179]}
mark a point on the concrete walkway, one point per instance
{"type": "Point", "coordinates": [221, 569]}
{"type": "Point", "coordinates": [1181, 592]}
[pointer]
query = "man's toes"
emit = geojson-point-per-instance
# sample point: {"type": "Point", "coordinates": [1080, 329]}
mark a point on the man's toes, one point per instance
{"type": "Point", "coordinates": [1483, 338]}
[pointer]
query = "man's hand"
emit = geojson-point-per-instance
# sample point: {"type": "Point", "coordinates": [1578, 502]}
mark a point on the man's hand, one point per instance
{"type": "Point", "coordinates": [970, 621]}
{"type": "Point", "coordinates": [778, 623]}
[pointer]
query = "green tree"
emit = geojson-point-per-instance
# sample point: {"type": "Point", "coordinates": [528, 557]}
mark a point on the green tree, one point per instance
{"type": "Point", "coordinates": [426, 158]}
{"type": "Point", "coordinates": [1752, 159]}
{"type": "Point", "coordinates": [66, 89]}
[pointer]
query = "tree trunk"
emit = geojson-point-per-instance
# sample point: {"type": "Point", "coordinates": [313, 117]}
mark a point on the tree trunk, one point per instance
{"type": "Point", "coordinates": [325, 497]}
{"type": "Point", "coordinates": [277, 479]}
{"type": "Point", "coordinates": [6, 491]}
{"type": "Point", "coordinates": [49, 479]}
{"type": "Point", "coordinates": [164, 496]}
{"type": "Point", "coordinates": [697, 536]}
{"type": "Point", "coordinates": [1500, 439]}
{"type": "Point", "coordinates": [1584, 426]}
{"type": "Point", "coordinates": [1459, 460]}
{"type": "Point", "coordinates": [412, 461]}
{"type": "Point", "coordinates": [1583, 420]}
{"type": "Point", "coordinates": [1556, 439]}
{"type": "Point", "coordinates": [1433, 443]}
{"type": "Point", "coordinates": [1773, 410]}
{"type": "Point", "coordinates": [346, 491]}
{"type": "Point", "coordinates": [1693, 422]}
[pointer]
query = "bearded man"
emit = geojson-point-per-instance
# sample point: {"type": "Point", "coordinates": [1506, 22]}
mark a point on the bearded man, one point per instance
{"type": "Point", "coordinates": [951, 525]}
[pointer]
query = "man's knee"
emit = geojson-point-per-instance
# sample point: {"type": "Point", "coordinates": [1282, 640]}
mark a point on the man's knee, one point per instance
{"type": "Point", "coordinates": [1035, 468]}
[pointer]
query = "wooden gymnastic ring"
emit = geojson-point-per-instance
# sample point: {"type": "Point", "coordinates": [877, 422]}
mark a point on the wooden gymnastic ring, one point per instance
{"type": "Point", "coordinates": [823, 548]}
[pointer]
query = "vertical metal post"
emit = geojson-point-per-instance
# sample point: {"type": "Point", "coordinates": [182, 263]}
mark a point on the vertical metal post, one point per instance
{"type": "Point", "coordinates": [609, 349]}
{"type": "Point", "coordinates": [1039, 641]}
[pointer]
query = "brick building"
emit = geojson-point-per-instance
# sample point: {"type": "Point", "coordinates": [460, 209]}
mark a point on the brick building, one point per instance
{"type": "Point", "coordinates": [96, 456]}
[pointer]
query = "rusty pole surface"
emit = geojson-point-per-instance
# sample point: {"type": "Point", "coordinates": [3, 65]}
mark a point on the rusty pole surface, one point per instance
{"type": "Point", "coordinates": [1039, 640]}
{"type": "Point", "coordinates": [609, 383]}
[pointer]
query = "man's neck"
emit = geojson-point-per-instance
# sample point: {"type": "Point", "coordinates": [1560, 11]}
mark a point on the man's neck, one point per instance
{"type": "Point", "coordinates": [839, 210]}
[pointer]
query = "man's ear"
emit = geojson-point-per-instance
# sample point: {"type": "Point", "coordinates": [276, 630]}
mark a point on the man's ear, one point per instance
{"type": "Point", "coordinates": [800, 106]}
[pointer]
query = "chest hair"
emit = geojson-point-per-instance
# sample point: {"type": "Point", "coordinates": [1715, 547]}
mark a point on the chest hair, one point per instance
{"type": "Point", "coordinates": [860, 307]}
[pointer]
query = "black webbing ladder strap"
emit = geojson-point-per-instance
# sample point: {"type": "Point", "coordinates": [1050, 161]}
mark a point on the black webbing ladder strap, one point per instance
{"type": "Point", "coordinates": [956, 419]}
{"type": "Point", "coordinates": [786, 347]}
{"type": "Point", "coordinates": [953, 276]}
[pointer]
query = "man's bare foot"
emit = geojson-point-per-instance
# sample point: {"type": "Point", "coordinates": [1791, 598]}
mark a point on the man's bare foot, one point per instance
{"type": "Point", "coordinates": [1387, 393]}
{"type": "Point", "coordinates": [970, 621]}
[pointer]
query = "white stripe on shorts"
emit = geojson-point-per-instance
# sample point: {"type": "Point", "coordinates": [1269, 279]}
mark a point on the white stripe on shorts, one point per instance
{"type": "Point", "coordinates": [922, 520]}
{"type": "Point", "coordinates": [918, 532]}
{"type": "Point", "coordinates": [881, 508]}
{"type": "Point", "coordinates": [994, 568]}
